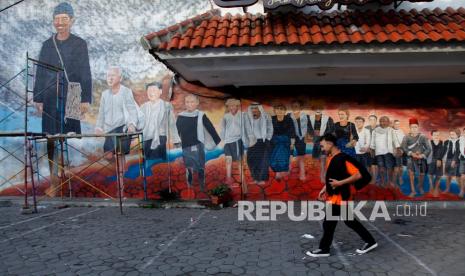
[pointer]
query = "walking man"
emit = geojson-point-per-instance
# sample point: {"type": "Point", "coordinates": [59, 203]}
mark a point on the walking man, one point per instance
{"type": "Point", "coordinates": [341, 172]}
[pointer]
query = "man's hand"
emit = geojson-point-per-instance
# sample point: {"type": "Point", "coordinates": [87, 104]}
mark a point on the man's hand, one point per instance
{"type": "Point", "coordinates": [252, 141]}
{"type": "Point", "coordinates": [40, 107]}
{"type": "Point", "coordinates": [98, 130]}
{"type": "Point", "coordinates": [438, 163]}
{"type": "Point", "coordinates": [177, 145]}
{"type": "Point", "coordinates": [453, 164]}
{"type": "Point", "coordinates": [131, 128]}
{"type": "Point", "coordinates": [335, 183]}
{"type": "Point", "coordinates": [85, 108]}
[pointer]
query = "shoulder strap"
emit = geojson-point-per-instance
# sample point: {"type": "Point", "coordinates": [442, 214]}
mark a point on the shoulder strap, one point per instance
{"type": "Point", "coordinates": [366, 176]}
{"type": "Point", "coordinates": [61, 59]}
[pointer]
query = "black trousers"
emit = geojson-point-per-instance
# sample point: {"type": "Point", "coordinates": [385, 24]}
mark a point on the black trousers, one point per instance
{"type": "Point", "coordinates": [329, 226]}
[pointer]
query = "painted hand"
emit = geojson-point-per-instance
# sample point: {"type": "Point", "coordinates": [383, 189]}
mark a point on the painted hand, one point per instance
{"type": "Point", "coordinates": [131, 128]}
{"type": "Point", "coordinates": [40, 107]}
{"type": "Point", "coordinates": [85, 108]}
{"type": "Point", "coordinates": [322, 195]}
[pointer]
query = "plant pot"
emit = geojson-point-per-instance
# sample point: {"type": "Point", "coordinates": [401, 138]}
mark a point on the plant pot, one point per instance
{"type": "Point", "coordinates": [216, 200]}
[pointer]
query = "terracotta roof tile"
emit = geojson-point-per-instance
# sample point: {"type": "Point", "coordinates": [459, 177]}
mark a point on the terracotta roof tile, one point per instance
{"type": "Point", "coordinates": [268, 39]}
{"type": "Point", "coordinates": [232, 41]}
{"type": "Point", "coordinates": [220, 41]}
{"type": "Point", "coordinates": [435, 36]}
{"type": "Point", "coordinates": [408, 36]}
{"type": "Point", "coordinates": [185, 42]}
{"type": "Point", "coordinates": [330, 38]}
{"type": "Point", "coordinates": [356, 37]}
{"type": "Point", "coordinates": [212, 30]}
{"type": "Point", "coordinates": [315, 29]}
{"type": "Point", "coordinates": [174, 42]}
{"type": "Point", "coordinates": [196, 42]}
{"type": "Point", "coordinates": [256, 40]}
{"type": "Point", "coordinates": [460, 34]}
{"type": "Point", "coordinates": [422, 36]}
{"type": "Point", "coordinates": [244, 40]}
{"type": "Point", "coordinates": [280, 38]}
{"type": "Point", "coordinates": [317, 38]}
{"type": "Point", "coordinates": [394, 37]}
{"type": "Point", "coordinates": [305, 38]}
{"type": "Point", "coordinates": [339, 29]}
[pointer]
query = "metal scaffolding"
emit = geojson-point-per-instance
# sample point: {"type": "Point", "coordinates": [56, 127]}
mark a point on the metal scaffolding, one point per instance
{"type": "Point", "coordinates": [32, 140]}
{"type": "Point", "coordinates": [67, 175]}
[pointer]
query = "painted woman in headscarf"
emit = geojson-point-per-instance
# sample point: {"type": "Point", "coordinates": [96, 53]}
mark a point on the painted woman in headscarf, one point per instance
{"type": "Point", "coordinates": [346, 133]}
{"type": "Point", "coordinates": [301, 122]}
{"type": "Point", "coordinates": [282, 142]}
{"type": "Point", "coordinates": [158, 123]}
{"type": "Point", "coordinates": [258, 153]}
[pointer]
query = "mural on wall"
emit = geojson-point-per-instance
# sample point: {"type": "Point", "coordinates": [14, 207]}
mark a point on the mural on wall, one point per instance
{"type": "Point", "coordinates": [261, 145]}
{"type": "Point", "coordinates": [268, 148]}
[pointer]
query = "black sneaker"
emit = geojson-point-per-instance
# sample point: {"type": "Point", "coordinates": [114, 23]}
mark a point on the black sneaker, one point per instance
{"type": "Point", "coordinates": [367, 247]}
{"type": "Point", "coordinates": [318, 253]}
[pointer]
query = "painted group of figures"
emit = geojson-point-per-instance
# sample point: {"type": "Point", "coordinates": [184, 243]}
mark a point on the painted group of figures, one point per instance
{"type": "Point", "coordinates": [268, 140]}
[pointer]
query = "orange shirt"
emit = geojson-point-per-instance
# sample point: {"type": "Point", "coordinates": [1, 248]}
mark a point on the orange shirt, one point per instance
{"type": "Point", "coordinates": [351, 169]}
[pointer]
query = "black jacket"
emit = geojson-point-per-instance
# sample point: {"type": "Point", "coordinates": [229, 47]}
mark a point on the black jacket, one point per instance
{"type": "Point", "coordinates": [337, 169]}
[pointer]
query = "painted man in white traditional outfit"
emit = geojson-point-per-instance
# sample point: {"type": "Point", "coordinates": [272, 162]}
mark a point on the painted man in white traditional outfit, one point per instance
{"type": "Point", "coordinates": [362, 148]}
{"type": "Point", "coordinates": [157, 123]}
{"type": "Point", "coordinates": [372, 124]}
{"type": "Point", "coordinates": [197, 135]}
{"type": "Point", "coordinates": [258, 153]}
{"type": "Point", "coordinates": [320, 124]}
{"type": "Point", "coordinates": [235, 132]}
{"type": "Point", "coordinates": [399, 154]}
{"type": "Point", "coordinates": [117, 113]}
{"type": "Point", "coordinates": [301, 122]}
{"type": "Point", "coordinates": [384, 143]}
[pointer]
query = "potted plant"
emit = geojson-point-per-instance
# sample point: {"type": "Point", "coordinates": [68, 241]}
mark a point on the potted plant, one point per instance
{"type": "Point", "coordinates": [219, 194]}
